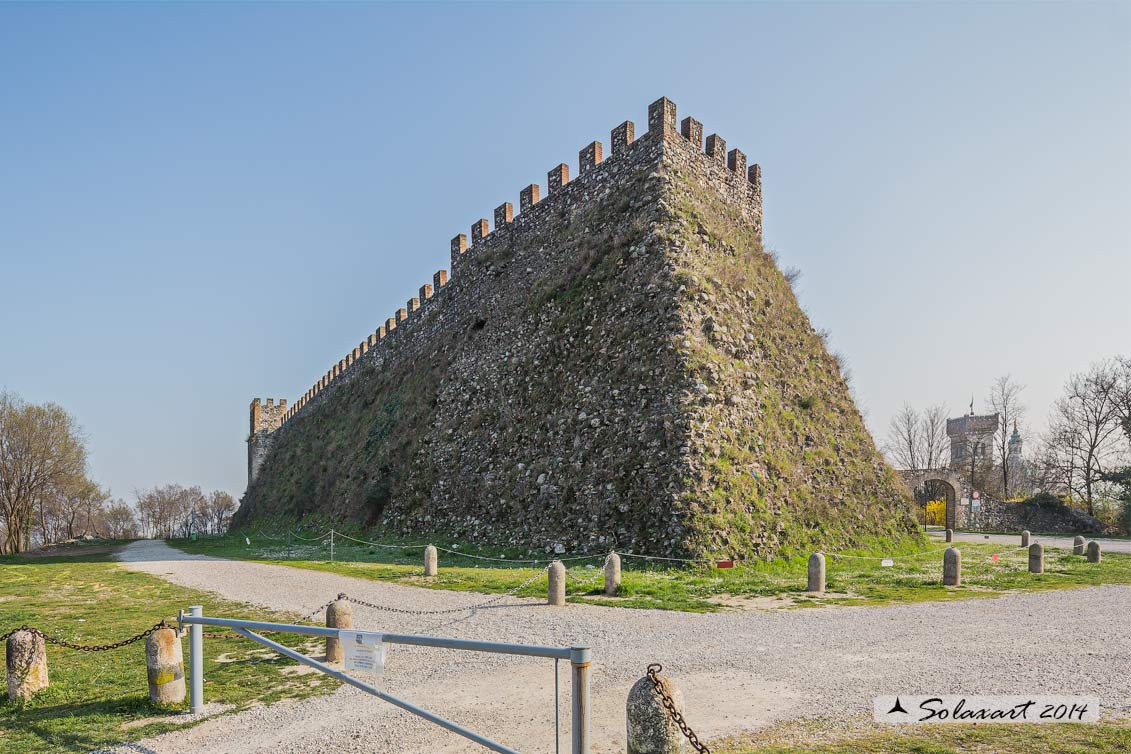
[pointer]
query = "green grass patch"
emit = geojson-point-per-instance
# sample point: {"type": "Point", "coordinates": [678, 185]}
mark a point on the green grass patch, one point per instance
{"type": "Point", "coordinates": [1069, 738]}
{"type": "Point", "coordinates": [98, 699]}
{"type": "Point", "coordinates": [858, 580]}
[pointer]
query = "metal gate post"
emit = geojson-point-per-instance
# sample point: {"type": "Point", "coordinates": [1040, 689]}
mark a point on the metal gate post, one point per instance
{"type": "Point", "coordinates": [579, 664]}
{"type": "Point", "coordinates": [196, 661]}
{"type": "Point", "coordinates": [331, 545]}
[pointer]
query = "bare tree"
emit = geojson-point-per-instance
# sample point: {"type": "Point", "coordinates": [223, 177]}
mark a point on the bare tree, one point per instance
{"type": "Point", "coordinates": [120, 521]}
{"type": "Point", "coordinates": [1005, 401]}
{"type": "Point", "coordinates": [936, 444]}
{"type": "Point", "coordinates": [40, 450]}
{"type": "Point", "coordinates": [218, 511]}
{"type": "Point", "coordinates": [1083, 437]}
{"type": "Point", "coordinates": [905, 439]}
{"type": "Point", "coordinates": [172, 511]}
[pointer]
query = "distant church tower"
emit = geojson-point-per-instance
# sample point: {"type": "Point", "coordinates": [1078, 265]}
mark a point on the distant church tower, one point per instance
{"type": "Point", "coordinates": [1015, 463]}
{"type": "Point", "coordinates": [1014, 456]}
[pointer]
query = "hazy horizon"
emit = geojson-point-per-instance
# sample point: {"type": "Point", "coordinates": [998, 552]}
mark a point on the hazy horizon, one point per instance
{"type": "Point", "coordinates": [205, 204]}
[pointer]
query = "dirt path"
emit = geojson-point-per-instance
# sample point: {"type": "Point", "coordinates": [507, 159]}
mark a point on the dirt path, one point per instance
{"type": "Point", "coordinates": [738, 671]}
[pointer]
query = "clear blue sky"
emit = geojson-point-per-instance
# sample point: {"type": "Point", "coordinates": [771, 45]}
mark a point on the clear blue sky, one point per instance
{"type": "Point", "coordinates": [201, 204]}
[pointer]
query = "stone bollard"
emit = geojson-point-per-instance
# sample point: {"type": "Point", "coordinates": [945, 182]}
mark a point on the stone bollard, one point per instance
{"type": "Point", "coordinates": [950, 535]}
{"type": "Point", "coordinates": [1078, 545]}
{"type": "Point", "coordinates": [1094, 555]}
{"type": "Point", "coordinates": [816, 573]}
{"type": "Point", "coordinates": [338, 615]}
{"type": "Point", "coordinates": [1036, 558]}
{"type": "Point", "coordinates": [430, 557]}
{"type": "Point", "coordinates": [650, 727]}
{"type": "Point", "coordinates": [555, 594]}
{"type": "Point", "coordinates": [952, 567]}
{"type": "Point", "coordinates": [27, 665]}
{"type": "Point", "coordinates": [165, 666]}
{"type": "Point", "coordinates": [1025, 538]}
{"type": "Point", "coordinates": [612, 574]}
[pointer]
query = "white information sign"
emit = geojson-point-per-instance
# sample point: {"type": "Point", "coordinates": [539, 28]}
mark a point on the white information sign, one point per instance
{"type": "Point", "coordinates": [887, 563]}
{"type": "Point", "coordinates": [364, 652]}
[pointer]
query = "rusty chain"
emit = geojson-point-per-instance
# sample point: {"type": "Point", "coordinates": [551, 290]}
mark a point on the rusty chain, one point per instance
{"type": "Point", "coordinates": [669, 705]}
{"type": "Point", "coordinates": [90, 647]}
{"type": "Point", "coordinates": [317, 610]}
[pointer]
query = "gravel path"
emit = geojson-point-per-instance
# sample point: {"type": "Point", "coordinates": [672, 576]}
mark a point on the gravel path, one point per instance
{"type": "Point", "coordinates": [738, 670]}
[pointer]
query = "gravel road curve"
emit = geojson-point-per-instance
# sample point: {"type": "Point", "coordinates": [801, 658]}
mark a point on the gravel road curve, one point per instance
{"type": "Point", "coordinates": [739, 671]}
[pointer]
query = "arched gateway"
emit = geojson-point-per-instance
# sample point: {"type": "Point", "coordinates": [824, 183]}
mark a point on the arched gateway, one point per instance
{"type": "Point", "coordinates": [931, 484]}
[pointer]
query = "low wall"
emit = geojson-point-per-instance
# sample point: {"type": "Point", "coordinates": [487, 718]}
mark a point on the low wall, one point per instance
{"type": "Point", "coordinates": [999, 516]}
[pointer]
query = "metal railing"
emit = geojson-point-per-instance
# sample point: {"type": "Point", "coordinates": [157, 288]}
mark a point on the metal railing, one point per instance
{"type": "Point", "coordinates": [579, 660]}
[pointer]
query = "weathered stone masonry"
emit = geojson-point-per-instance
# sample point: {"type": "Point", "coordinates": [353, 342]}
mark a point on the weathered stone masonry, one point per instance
{"type": "Point", "coordinates": [554, 398]}
{"type": "Point", "coordinates": [266, 418]}
{"type": "Point", "coordinates": [661, 115]}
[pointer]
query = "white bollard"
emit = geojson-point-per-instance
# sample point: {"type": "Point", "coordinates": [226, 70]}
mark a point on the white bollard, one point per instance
{"type": "Point", "coordinates": [430, 560]}
{"type": "Point", "coordinates": [816, 573]}
{"type": "Point", "coordinates": [1078, 545]}
{"type": "Point", "coordinates": [339, 614]}
{"type": "Point", "coordinates": [1025, 538]}
{"type": "Point", "coordinates": [165, 667]}
{"type": "Point", "coordinates": [952, 567]}
{"type": "Point", "coordinates": [26, 664]}
{"type": "Point", "coordinates": [612, 574]}
{"type": "Point", "coordinates": [556, 590]}
{"type": "Point", "coordinates": [651, 729]}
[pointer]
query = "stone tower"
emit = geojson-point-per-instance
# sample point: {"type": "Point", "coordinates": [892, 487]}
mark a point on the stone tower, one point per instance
{"type": "Point", "coordinates": [971, 434]}
{"type": "Point", "coordinates": [265, 419]}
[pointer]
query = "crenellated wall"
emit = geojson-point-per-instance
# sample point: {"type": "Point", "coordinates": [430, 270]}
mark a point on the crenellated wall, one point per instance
{"type": "Point", "coordinates": [736, 182]}
{"type": "Point", "coordinates": [616, 363]}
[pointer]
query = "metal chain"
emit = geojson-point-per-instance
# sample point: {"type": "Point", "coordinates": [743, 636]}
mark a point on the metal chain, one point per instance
{"type": "Point", "coordinates": [317, 610]}
{"type": "Point", "coordinates": [405, 611]}
{"type": "Point", "coordinates": [669, 705]}
{"type": "Point", "coordinates": [597, 573]}
{"type": "Point", "coordinates": [86, 648]}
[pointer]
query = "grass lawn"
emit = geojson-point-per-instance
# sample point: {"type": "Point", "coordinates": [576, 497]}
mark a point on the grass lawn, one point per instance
{"type": "Point", "coordinates": [102, 698]}
{"type": "Point", "coordinates": [1069, 738]}
{"type": "Point", "coordinates": [915, 576]}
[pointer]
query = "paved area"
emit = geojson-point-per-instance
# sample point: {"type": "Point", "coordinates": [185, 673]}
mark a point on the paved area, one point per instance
{"type": "Point", "coordinates": [738, 670]}
{"type": "Point", "coordinates": [1106, 545]}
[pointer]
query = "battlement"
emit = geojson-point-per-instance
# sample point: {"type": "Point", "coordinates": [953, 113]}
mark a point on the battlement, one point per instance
{"type": "Point", "coordinates": [266, 416]}
{"type": "Point", "coordinates": [728, 172]}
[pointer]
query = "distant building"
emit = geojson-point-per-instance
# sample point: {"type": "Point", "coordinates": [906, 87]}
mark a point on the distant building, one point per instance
{"type": "Point", "coordinates": [972, 434]}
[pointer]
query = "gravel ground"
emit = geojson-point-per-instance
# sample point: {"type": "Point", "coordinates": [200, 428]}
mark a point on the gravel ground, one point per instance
{"type": "Point", "coordinates": [739, 671]}
{"type": "Point", "coordinates": [1106, 545]}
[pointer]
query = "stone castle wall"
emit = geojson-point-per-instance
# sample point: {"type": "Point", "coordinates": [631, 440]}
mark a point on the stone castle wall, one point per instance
{"type": "Point", "coordinates": [725, 173]}
{"type": "Point", "coordinates": [578, 376]}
